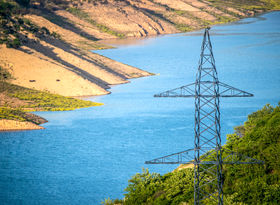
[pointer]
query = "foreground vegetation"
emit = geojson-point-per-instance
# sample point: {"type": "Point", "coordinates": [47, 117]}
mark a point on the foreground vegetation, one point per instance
{"type": "Point", "coordinates": [259, 138]}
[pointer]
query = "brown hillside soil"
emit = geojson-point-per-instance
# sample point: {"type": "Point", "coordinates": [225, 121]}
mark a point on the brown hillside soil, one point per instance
{"type": "Point", "coordinates": [52, 65]}
{"type": "Point", "coordinates": [151, 17]}
{"type": "Point", "coordinates": [33, 70]}
{"type": "Point", "coordinates": [124, 18]}
{"type": "Point", "coordinates": [84, 25]}
{"type": "Point", "coordinates": [68, 34]}
{"type": "Point", "coordinates": [13, 125]}
{"type": "Point", "coordinates": [63, 65]}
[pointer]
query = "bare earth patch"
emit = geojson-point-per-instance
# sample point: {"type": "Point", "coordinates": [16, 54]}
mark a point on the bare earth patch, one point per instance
{"type": "Point", "coordinates": [12, 125]}
{"type": "Point", "coordinates": [44, 74]}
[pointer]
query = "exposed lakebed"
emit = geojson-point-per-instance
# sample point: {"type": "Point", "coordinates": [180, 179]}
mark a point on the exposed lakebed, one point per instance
{"type": "Point", "coordinates": [86, 155]}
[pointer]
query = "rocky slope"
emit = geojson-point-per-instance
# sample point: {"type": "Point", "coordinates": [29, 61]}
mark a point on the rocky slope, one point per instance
{"type": "Point", "coordinates": [138, 18]}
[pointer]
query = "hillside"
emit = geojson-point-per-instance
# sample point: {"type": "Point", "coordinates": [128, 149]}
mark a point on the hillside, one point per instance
{"type": "Point", "coordinates": [46, 43]}
{"type": "Point", "coordinates": [48, 52]}
{"type": "Point", "coordinates": [259, 138]}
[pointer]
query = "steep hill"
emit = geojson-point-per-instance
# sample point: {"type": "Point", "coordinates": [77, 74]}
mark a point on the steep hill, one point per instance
{"type": "Point", "coordinates": [259, 138]}
{"type": "Point", "coordinates": [48, 52]}
{"type": "Point", "coordinates": [45, 43]}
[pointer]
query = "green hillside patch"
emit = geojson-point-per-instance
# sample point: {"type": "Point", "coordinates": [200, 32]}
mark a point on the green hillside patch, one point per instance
{"type": "Point", "coordinates": [19, 115]}
{"type": "Point", "coordinates": [258, 138]}
{"type": "Point", "coordinates": [35, 100]}
{"type": "Point", "coordinates": [11, 114]}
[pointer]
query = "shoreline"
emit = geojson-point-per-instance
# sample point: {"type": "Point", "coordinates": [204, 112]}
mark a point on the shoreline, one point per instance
{"type": "Point", "coordinates": [14, 125]}
{"type": "Point", "coordinates": [7, 125]}
{"type": "Point", "coordinates": [114, 43]}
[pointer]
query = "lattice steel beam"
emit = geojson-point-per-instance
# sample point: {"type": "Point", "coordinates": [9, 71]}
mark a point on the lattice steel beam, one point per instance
{"type": "Point", "coordinates": [186, 157]}
{"type": "Point", "coordinates": [189, 91]}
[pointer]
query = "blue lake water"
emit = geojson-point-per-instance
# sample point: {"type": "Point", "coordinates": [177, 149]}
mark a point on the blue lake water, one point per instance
{"type": "Point", "coordinates": [86, 155]}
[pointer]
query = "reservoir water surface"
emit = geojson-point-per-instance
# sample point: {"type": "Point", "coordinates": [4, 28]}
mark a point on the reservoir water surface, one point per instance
{"type": "Point", "coordinates": [87, 155]}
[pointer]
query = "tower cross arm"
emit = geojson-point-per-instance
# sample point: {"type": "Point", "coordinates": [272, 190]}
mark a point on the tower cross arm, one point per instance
{"type": "Point", "coordinates": [229, 91]}
{"type": "Point", "coordinates": [189, 91]}
{"type": "Point", "coordinates": [183, 91]}
{"type": "Point", "coordinates": [182, 157]}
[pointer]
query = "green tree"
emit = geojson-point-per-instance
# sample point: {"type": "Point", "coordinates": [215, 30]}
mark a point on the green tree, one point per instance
{"type": "Point", "coordinates": [24, 3]}
{"type": "Point", "coordinates": [142, 187]}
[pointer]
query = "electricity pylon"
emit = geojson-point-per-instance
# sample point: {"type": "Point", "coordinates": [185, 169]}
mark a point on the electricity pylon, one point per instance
{"type": "Point", "coordinates": [209, 156]}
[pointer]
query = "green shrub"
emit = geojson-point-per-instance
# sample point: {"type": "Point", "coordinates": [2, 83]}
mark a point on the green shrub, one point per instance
{"type": "Point", "coordinates": [24, 3]}
{"type": "Point", "coordinates": [183, 27]}
{"type": "Point", "coordinates": [4, 74]}
{"type": "Point", "coordinates": [15, 43]}
{"type": "Point", "coordinates": [108, 202]}
{"type": "Point", "coordinates": [5, 8]}
{"type": "Point", "coordinates": [11, 114]}
{"type": "Point", "coordinates": [56, 35]}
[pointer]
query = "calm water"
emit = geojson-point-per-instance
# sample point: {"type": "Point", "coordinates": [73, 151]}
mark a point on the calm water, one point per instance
{"type": "Point", "coordinates": [86, 155]}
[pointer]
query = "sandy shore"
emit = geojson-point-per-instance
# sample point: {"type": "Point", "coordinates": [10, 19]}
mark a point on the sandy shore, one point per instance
{"type": "Point", "coordinates": [13, 125]}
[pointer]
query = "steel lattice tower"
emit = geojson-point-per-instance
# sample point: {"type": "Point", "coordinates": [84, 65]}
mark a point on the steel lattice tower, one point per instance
{"type": "Point", "coordinates": [209, 156]}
